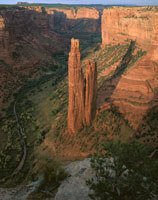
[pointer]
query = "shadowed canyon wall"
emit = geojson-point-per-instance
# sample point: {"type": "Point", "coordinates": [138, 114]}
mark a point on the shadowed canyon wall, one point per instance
{"type": "Point", "coordinates": [32, 37]}
{"type": "Point", "coordinates": [82, 93]}
{"type": "Point", "coordinates": [71, 20]}
{"type": "Point", "coordinates": [136, 92]}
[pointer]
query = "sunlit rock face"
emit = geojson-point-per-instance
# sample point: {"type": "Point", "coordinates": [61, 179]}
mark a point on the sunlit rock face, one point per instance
{"type": "Point", "coordinates": [76, 89]}
{"type": "Point", "coordinates": [139, 24]}
{"type": "Point", "coordinates": [136, 91]}
{"type": "Point", "coordinates": [82, 92]}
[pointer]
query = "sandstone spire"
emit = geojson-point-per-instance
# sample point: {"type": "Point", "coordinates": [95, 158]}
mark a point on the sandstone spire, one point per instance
{"type": "Point", "coordinates": [76, 89]}
{"type": "Point", "coordinates": [82, 96]}
{"type": "Point", "coordinates": [90, 92]}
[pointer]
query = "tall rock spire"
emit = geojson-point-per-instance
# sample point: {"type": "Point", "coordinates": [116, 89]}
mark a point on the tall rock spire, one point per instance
{"type": "Point", "coordinates": [76, 89]}
{"type": "Point", "coordinates": [90, 92]}
{"type": "Point", "coordinates": [82, 93]}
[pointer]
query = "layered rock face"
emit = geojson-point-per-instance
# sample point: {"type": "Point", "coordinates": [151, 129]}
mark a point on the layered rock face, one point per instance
{"type": "Point", "coordinates": [136, 90]}
{"type": "Point", "coordinates": [82, 93]}
{"type": "Point", "coordinates": [139, 24]}
{"type": "Point", "coordinates": [71, 20]}
{"type": "Point", "coordinates": [86, 20]}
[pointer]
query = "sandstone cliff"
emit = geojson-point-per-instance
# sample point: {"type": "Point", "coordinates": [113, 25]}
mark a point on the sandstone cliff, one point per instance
{"type": "Point", "coordinates": [71, 13]}
{"type": "Point", "coordinates": [82, 93]}
{"type": "Point", "coordinates": [71, 20]}
{"type": "Point", "coordinates": [136, 90]}
{"type": "Point", "coordinates": [139, 24]}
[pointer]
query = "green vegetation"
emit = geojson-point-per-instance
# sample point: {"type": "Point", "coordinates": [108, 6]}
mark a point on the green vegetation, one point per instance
{"type": "Point", "coordinates": [42, 111]}
{"type": "Point", "coordinates": [125, 171]}
{"type": "Point", "coordinates": [10, 149]}
{"type": "Point", "coordinates": [147, 131]}
{"type": "Point", "coordinates": [34, 136]}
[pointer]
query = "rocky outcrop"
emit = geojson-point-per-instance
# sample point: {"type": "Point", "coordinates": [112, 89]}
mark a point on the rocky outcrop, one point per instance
{"type": "Point", "coordinates": [76, 89]}
{"type": "Point", "coordinates": [90, 92]}
{"type": "Point", "coordinates": [75, 187]}
{"type": "Point", "coordinates": [82, 93]}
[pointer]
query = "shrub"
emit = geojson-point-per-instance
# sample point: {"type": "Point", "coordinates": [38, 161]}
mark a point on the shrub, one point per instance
{"type": "Point", "coordinates": [51, 170]}
{"type": "Point", "coordinates": [124, 172]}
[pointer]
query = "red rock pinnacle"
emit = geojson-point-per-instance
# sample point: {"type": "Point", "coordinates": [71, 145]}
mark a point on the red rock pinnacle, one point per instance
{"type": "Point", "coordinates": [76, 89]}
{"type": "Point", "coordinates": [90, 92]}
{"type": "Point", "coordinates": [82, 97]}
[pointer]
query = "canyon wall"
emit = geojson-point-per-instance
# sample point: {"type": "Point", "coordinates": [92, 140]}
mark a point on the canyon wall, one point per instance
{"type": "Point", "coordinates": [82, 92]}
{"type": "Point", "coordinates": [30, 39]}
{"type": "Point", "coordinates": [137, 23]}
{"type": "Point", "coordinates": [71, 19]}
{"type": "Point", "coordinates": [136, 89]}
{"type": "Point", "coordinates": [27, 44]}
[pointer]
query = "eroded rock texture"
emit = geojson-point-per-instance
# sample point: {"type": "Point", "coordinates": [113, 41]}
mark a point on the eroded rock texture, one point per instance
{"type": "Point", "coordinates": [71, 20]}
{"type": "Point", "coordinates": [82, 93]}
{"type": "Point", "coordinates": [90, 92]}
{"type": "Point", "coordinates": [135, 91]}
{"type": "Point", "coordinates": [139, 24]}
{"type": "Point", "coordinates": [76, 89]}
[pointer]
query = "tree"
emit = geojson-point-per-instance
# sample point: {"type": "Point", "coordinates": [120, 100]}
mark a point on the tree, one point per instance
{"type": "Point", "coordinates": [124, 172]}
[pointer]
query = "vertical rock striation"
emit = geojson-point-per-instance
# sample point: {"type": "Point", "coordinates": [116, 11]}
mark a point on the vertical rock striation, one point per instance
{"type": "Point", "coordinates": [82, 94]}
{"type": "Point", "coordinates": [76, 89]}
{"type": "Point", "coordinates": [90, 92]}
